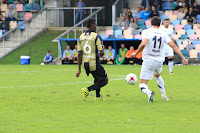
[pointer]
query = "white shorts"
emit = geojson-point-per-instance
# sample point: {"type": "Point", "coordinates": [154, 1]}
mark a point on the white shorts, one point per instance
{"type": "Point", "coordinates": [168, 51]}
{"type": "Point", "coordinates": [149, 67]}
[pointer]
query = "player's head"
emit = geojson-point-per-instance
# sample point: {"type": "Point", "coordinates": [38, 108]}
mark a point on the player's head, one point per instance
{"type": "Point", "coordinates": [91, 24]}
{"type": "Point", "coordinates": [155, 21]}
{"type": "Point", "coordinates": [75, 46]}
{"type": "Point", "coordinates": [166, 22]}
{"type": "Point", "coordinates": [68, 47]}
{"type": "Point", "coordinates": [48, 51]}
{"type": "Point", "coordinates": [131, 48]}
{"type": "Point", "coordinates": [104, 46]}
{"type": "Point", "coordinates": [128, 9]}
{"type": "Point", "coordinates": [184, 5]}
{"type": "Point", "coordinates": [122, 45]}
{"type": "Point", "coordinates": [109, 47]}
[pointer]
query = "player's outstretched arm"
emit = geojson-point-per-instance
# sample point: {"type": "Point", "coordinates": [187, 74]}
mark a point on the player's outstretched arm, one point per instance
{"type": "Point", "coordinates": [80, 56]}
{"type": "Point", "coordinates": [175, 48]}
{"type": "Point", "coordinates": [141, 47]}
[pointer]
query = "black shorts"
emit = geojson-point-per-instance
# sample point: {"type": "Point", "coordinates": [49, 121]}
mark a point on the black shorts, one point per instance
{"type": "Point", "coordinates": [99, 74]}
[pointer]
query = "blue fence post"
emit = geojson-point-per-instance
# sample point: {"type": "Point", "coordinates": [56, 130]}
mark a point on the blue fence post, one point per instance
{"type": "Point", "coordinates": [115, 47]}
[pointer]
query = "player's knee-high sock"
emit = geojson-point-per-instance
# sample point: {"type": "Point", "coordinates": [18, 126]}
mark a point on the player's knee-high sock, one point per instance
{"type": "Point", "coordinates": [97, 86]}
{"type": "Point", "coordinates": [161, 84]}
{"type": "Point", "coordinates": [145, 89]}
{"type": "Point", "coordinates": [170, 64]}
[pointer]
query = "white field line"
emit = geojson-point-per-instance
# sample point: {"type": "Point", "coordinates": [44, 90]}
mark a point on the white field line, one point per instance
{"type": "Point", "coordinates": [28, 86]}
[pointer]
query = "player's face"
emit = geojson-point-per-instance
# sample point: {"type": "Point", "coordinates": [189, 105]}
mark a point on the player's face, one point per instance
{"type": "Point", "coordinates": [109, 47]}
{"type": "Point", "coordinates": [122, 46]}
{"type": "Point", "coordinates": [75, 46]}
{"type": "Point", "coordinates": [166, 24]}
{"type": "Point", "coordinates": [68, 47]}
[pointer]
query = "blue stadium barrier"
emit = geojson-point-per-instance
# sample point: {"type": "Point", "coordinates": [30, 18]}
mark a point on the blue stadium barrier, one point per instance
{"type": "Point", "coordinates": [104, 40]}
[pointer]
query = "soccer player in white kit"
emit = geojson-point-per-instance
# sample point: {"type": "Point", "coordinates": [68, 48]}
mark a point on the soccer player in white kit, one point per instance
{"type": "Point", "coordinates": [168, 51]}
{"type": "Point", "coordinates": [153, 42]}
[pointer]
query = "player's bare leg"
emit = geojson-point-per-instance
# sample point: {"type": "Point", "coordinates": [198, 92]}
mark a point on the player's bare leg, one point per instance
{"type": "Point", "coordinates": [145, 89]}
{"type": "Point", "coordinates": [170, 64]}
{"type": "Point", "coordinates": [161, 85]}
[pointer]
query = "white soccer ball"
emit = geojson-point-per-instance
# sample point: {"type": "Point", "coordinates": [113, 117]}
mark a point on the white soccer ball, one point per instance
{"type": "Point", "coordinates": [131, 79]}
{"type": "Point", "coordinates": [42, 64]}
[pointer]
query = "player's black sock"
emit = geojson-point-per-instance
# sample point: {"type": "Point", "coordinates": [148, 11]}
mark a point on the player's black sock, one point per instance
{"type": "Point", "coordinates": [96, 86]}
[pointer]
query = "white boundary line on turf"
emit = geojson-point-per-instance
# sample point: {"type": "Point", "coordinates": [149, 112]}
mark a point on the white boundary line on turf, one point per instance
{"type": "Point", "coordinates": [28, 86]}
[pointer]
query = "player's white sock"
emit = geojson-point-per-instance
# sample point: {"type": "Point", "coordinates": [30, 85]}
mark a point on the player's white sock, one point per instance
{"type": "Point", "coordinates": [170, 64]}
{"type": "Point", "coordinates": [161, 84]}
{"type": "Point", "coordinates": [145, 89]}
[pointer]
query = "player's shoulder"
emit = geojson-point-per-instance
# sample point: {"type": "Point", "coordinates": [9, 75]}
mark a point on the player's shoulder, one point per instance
{"type": "Point", "coordinates": [146, 30]}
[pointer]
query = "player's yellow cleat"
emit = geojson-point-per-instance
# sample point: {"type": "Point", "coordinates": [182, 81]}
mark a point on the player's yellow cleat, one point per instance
{"type": "Point", "coordinates": [99, 98]}
{"type": "Point", "coordinates": [85, 93]}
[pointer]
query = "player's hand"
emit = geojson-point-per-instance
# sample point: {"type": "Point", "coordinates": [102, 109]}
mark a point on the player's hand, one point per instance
{"type": "Point", "coordinates": [133, 54]}
{"type": "Point", "coordinates": [185, 61]}
{"type": "Point", "coordinates": [78, 73]}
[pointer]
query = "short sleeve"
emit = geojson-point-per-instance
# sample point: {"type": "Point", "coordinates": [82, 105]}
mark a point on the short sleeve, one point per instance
{"type": "Point", "coordinates": [79, 45]}
{"type": "Point", "coordinates": [99, 43]}
{"type": "Point", "coordinates": [145, 35]}
{"type": "Point", "coordinates": [167, 38]}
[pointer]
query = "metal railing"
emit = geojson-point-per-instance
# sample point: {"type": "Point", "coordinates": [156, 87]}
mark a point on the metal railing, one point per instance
{"type": "Point", "coordinates": [17, 37]}
{"type": "Point", "coordinates": [59, 15]}
{"type": "Point", "coordinates": [117, 9]}
{"type": "Point", "coordinates": [94, 14]}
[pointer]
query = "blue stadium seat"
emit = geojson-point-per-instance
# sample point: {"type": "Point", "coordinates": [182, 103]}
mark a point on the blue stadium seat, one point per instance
{"type": "Point", "coordinates": [21, 27]}
{"type": "Point", "coordinates": [163, 17]}
{"type": "Point", "coordinates": [103, 36]}
{"type": "Point", "coordinates": [135, 32]}
{"type": "Point", "coordinates": [143, 27]}
{"type": "Point", "coordinates": [20, 16]}
{"type": "Point", "coordinates": [173, 5]}
{"type": "Point", "coordinates": [118, 32]}
{"type": "Point", "coordinates": [27, 7]}
{"type": "Point", "coordinates": [111, 37]}
{"type": "Point", "coordinates": [140, 22]}
{"type": "Point", "coordinates": [198, 18]}
{"type": "Point", "coordinates": [187, 26]}
{"type": "Point", "coordinates": [1, 33]}
{"type": "Point", "coordinates": [176, 22]}
{"type": "Point", "coordinates": [10, 1]}
{"type": "Point", "coordinates": [189, 47]}
{"type": "Point", "coordinates": [194, 43]}
{"type": "Point", "coordinates": [115, 27]}
{"type": "Point", "coordinates": [189, 32]}
{"type": "Point", "coordinates": [120, 37]}
{"type": "Point", "coordinates": [185, 53]}
{"type": "Point", "coordinates": [179, 41]}
{"type": "Point", "coordinates": [183, 36]}
{"type": "Point", "coordinates": [166, 5]}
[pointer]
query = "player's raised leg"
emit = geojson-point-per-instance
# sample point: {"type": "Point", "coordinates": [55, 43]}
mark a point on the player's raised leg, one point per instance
{"type": "Point", "coordinates": [161, 86]}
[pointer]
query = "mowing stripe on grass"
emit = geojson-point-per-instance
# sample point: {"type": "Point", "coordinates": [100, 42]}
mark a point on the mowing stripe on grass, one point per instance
{"type": "Point", "coordinates": [28, 86]}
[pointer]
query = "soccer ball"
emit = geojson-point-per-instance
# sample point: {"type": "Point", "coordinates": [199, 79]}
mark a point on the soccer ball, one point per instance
{"type": "Point", "coordinates": [131, 79]}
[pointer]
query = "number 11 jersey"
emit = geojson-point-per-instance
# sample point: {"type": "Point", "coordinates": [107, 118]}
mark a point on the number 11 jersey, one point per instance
{"type": "Point", "coordinates": [156, 41]}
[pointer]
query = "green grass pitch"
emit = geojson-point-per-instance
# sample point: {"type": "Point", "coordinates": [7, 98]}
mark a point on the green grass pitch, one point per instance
{"type": "Point", "coordinates": [47, 99]}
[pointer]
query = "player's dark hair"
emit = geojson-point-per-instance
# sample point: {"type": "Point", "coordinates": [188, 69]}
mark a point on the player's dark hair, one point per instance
{"type": "Point", "coordinates": [155, 21]}
{"type": "Point", "coordinates": [166, 19]}
{"type": "Point", "coordinates": [48, 51]}
{"type": "Point", "coordinates": [90, 22]}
